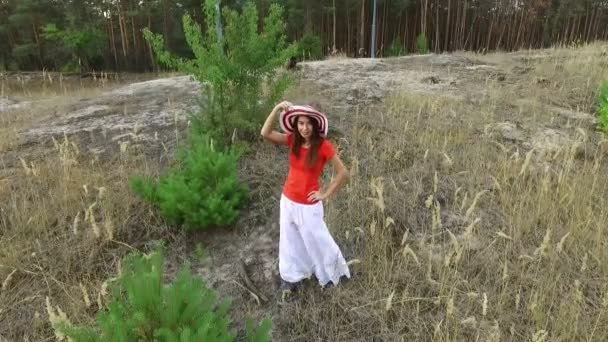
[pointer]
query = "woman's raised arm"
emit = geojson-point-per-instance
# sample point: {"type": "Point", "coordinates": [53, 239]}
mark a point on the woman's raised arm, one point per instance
{"type": "Point", "coordinates": [268, 132]}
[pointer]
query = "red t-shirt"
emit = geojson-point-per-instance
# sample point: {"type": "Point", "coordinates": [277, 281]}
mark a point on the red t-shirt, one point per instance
{"type": "Point", "coordinates": [303, 179]}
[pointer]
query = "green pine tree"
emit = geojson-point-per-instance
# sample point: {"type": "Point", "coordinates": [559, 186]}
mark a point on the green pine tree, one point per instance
{"type": "Point", "coordinates": [142, 308]}
{"type": "Point", "coordinates": [202, 191]}
{"type": "Point", "coordinates": [239, 70]}
{"type": "Point", "coordinates": [603, 106]}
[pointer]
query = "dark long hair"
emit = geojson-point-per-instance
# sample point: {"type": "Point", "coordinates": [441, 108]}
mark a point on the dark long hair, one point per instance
{"type": "Point", "coordinates": [315, 141]}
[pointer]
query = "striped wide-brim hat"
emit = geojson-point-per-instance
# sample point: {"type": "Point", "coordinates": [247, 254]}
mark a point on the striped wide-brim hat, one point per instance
{"type": "Point", "coordinates": [287, 118]}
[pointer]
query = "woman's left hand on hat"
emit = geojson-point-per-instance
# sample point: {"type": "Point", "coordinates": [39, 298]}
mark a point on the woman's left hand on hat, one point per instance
{"type": "Point", "coordinates": [284, 106]}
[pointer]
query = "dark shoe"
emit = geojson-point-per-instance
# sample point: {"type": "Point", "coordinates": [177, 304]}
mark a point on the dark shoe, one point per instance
{"type": "Point", "coordinates": [288, 288]}
{"type": "Point", "coordinates": [330, 284]}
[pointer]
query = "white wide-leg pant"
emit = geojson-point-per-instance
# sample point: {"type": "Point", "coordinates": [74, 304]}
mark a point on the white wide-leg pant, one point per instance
{"type": "Point", "coordinates": [306, 246]}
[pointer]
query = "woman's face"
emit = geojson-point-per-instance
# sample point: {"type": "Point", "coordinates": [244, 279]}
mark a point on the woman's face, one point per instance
{"type": "Point", "coordinates": [305, 127]}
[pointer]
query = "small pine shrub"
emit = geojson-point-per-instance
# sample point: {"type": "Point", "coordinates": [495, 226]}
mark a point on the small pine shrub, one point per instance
{"type": "Point", "coordinates": [142, 308]}
{"type": "Point", "coordinates": [396, 49]}
{"type": "Point", "coordinates": [239, 71]}
{"type": "Point", "coordinates": [422, 44]}
{"type": "Point", "coordinates": [603, 106]}
{"type": "Point", "coordinates": [202, 191]}
{"type": "Point", "coordinates": [309, 47]}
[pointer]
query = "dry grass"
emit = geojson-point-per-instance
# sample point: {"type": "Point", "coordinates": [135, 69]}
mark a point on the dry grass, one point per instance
{"type": "Point", "coordinates": [66, 218]}
{"type": "Point", "coordinates": [65, 222]}
{"type": "Point", "coordinates": [36, 85]}
{"type": "Point", "coordinates": [565, 77]}
{"type": "Point", "coordinates": [337, 56]}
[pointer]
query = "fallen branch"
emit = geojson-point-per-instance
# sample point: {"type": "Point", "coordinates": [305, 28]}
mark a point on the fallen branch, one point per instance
{"type": "Point", "coordinates": [257, 299]}
{"type": "Point", "coordinates": [248, 283]}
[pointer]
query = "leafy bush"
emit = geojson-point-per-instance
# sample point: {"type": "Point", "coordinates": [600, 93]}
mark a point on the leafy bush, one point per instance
{"type": "Point", "coordinates": [202, 191]}
{"type": "Point", "coordinates": [422, 44]}
{"type": "Point", "coordinates": [603, 106]}
{"type": "Point", "coordinates": [80, 46]}
{"type": "Point", "coordinates": [142, 308]}
{"type": "Point", "coordinates": [396, 49]}
{"type": "Point", "coordinates": [241, 84]}
{"type": "Point", "coordinates": [309, 47]}
{"type": "Point", "coordinates": [71, 66]}
{"type": "Point", "coordinates": [240, 69]}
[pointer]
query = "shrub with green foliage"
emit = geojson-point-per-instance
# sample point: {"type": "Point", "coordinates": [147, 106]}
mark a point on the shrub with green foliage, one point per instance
{"type": "Point", "coordinates": [202, 191]}
{"type": "Point", "coordinates": [309, 47]}
{"type": "Point", "coordinates": [396, 49]}
{"type": "Point", "coordinates": [142, 308]}
{"type": "Point", "coordinates": [240, 68]}
{"type": "Point", "coordinates": [422, 44]}
{"type": "Point", "coordinates": [603, 106]}
{"type": "Point", "coordinates": [78, 46]}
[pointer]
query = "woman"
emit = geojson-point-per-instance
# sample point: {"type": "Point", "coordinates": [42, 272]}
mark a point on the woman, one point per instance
{"type": "Point", "coordinates": [306, 246]}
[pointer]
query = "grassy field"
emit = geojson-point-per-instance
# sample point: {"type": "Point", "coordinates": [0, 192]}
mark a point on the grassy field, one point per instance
{"type": "Point", "coordinates": [455, 234]}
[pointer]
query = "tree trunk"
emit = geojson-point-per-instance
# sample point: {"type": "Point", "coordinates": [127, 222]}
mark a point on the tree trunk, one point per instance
{"type": "Point", "coordinates": [501, 35]}
{"type": "Point", "coordinates": [126, 29]}
{"type": "Point", "coordinates": [361, 48]}
{"type": "Point", "coordinates": [455, 31]}
{"type": "Point", "coordinates": [446, 45]}
{"type": "Point", "coordinates": [135, 47]}
{"type": "Point", "coordinates": [414, 32]}
{"type": "Point", "coordinates": [566, 33]}
{"type": "Point", "coordinates": [513, 32]}
{"type": "Point", "coordinates": [572, 33]}
{"type": "Point", "coordinates": [398, 32]}
{"type": "Point", "coordinates": [468, 35]}
{"type": "Point", "coordinates": [597, 28]}
{"type": "Point", "coordinates": [437, 39]}
{"type": "Point", "coordinates": [544, 40]}
{"type": "Point", "coordinates": [407, 31]}
{"type": "Point", "coordinates": [333, 50]}
{"type": "Point", "coordinates": [464, 20]}
{"type": "Point", "coordinates": [489, 37]}
{"type": "Point", "coordinates": [384, 25]}
{"type": "Point", "coordinates": [11, 40]}
{"type": "Point", "coordinates": [348, 32]}
{"type": "Point", "coordinates": [166, 24]}
{"type": "Point", "coordinates": [38, 44]}
{"type": "Point", "coordinates": [425, 4]}
{"type": "Point", "coordinates": [477, 40]}
{"type": "Point", "coordinates": [325, 33]}
{"type": "Point", "coordinates": [151, 53]}
{"type": "Point", "coordinates": [591, 23]}
{"type": "Point", "coordinates": [123, 34]}
{"type": "Point", "coordinates": [308, 25]}
{"type": "Point", "coordinates": [585, 28]}
{"type": "Point", "coordinates": [579, 20]}
{"type": "Point", "coordinates": [519, 30]}
{"type": "Point", "coordinates": [113, 41]}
